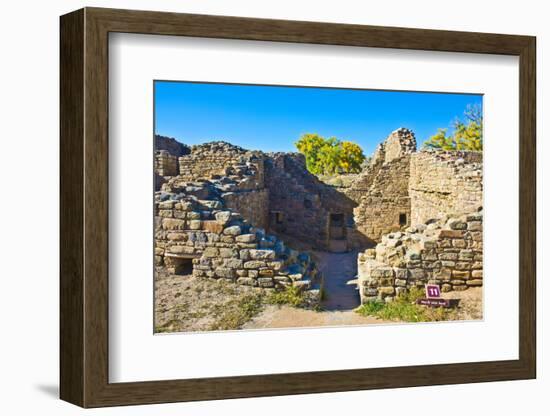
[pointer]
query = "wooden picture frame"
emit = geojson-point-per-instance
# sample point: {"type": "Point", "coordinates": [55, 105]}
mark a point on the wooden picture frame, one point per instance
{"type": "Point", "coordinates": [84, 207]}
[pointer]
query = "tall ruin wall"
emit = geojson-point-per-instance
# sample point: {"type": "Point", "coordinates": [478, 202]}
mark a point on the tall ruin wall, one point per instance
{"type": "Point", "coordinates": [382, 189]}
{"type": "Point", "coordinates": [444, 183]}
{"type": "Point", "coordinates": [386, 207]}
{"type": "Point", "coordinates": [303, 207]}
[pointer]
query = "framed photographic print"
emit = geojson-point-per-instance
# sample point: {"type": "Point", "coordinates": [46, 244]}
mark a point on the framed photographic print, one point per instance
{"type": "Point", "coordinates": [255, 207]}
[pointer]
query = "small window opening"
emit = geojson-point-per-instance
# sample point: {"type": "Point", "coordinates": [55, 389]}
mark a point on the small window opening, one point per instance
{"type": "Point", "coordinates": [402, 219]}
{"type": "Point", "coordinates": [183, 266]}
{"type": "Point", "coordinates": [278, 217]}
{"type": "Point", "coordinates": [337, 220]}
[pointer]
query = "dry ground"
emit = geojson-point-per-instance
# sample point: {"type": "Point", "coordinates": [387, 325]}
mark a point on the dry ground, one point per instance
{"type": "Point", "coordinates": [188, 304]}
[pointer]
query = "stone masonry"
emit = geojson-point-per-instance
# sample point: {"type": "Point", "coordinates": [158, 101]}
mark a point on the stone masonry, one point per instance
{"type": "Point", "coordinates": [446, 252]}
{"type": "Point", "coordinates": [225, 212]}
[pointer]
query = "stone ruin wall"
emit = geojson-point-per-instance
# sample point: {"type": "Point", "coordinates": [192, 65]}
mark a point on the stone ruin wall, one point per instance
{"type": "Point", "coordinates": [216, 242]}
{"type": "Point", "coordinates": [165, 163]}
{"type": "Point", "coordinates": [220, 159]}
{"type": "Point", "coordinates": [252, 205]}
{"type": "Point", "coordinates": [386, 206]}
{"type": "Point", "coordinates": [215, 160]}
{"type": "Point", "coordinates": [445, 183]}
{"type": "Point", "coordinates": [382, 190]}
{"type": "Point", "coordinates": [301, 205]}
{"type": "Point", "coordinates": [448, 252]}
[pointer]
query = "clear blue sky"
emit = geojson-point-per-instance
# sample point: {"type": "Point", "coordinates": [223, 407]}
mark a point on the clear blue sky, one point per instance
{"type": "Point", "coordinates": [272, 118]}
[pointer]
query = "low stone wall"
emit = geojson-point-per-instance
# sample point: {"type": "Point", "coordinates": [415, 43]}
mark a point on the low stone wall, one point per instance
{"type": "Point", "coordinates": [214, 159]}
{"type": "Point", "coordinates": [445, 183]}
{"type": "Point", "coordinates": [195, 229]}
{"type": "Point", "coordinates": [166, 164]}
{"type": "Point", "coordinates": [448, 252]}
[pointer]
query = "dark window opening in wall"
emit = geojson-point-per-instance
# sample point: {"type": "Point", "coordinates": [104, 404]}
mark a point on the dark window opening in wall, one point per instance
{"type": "Point", "coordinates": [278, 217]}
{"type": "Point", "coordinates": [402, 219]}
{"type": "Point", "coordinates": [307, 203]}
{"type": "Point", "coordinates": [183, 267]}
{"type": "Point", "coordinates": [337, 220]}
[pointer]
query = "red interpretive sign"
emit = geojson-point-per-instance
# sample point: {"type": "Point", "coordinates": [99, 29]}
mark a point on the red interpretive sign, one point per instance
{"type": "Point", "coordinates": [433, 291]}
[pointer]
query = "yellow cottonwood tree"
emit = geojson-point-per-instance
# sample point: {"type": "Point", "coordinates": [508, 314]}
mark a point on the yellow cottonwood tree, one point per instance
{"type": "Point", "coordinates": [467, 133]}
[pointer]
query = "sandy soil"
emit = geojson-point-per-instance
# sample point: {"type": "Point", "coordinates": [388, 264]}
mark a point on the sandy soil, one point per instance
{"type": "Point", "coordinates": [185, 303]}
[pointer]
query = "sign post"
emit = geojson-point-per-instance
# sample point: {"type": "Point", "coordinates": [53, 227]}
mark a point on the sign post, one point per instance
{"type": "Point", "coordinates": [433, 298]}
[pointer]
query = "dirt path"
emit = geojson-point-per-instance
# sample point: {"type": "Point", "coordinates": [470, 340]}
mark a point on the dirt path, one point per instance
{"type": "Point", "coordinates": [338, 305]}
{"type": "Point", "coordinates": [338, 269]}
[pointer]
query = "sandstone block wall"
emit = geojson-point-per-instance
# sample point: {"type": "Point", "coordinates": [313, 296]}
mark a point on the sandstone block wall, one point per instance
{"type": "Point", "coordinates": [252, 205]}
{"type": "Point", "coordinates": [399, 143]}
{"type": "Point", "coordinates": [386, 206]}
{"type": "Point", "coordinates": [448, 252]}
{"type": "Point", "coordinates": [301, 205]}
{"type": "Point", "coordinates": [445, 183]}
{"type": "Point", "coordinates": [382, 189]}
{"type": "Point", "coordinates": [165, 164]}
{"type": "Point", "coordinates": [218, 243]}
{"type": "Point", "coordinates": [216, 159]}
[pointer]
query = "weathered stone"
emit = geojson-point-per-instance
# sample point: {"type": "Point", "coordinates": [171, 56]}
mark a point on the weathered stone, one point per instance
{"type": "Point", "coordinates": [446, 287]}
{"type": "Point", "coordinates": [247, 281]}
{"type": "Point", "coordinates": [212, 226]}
{"type": "Point", "coordinates": [173, 224]}
{"type": "Point", "coordinates": [262, 254]}
{"type": "Point", "coordinates": [474, 282]}
{"type": "Point", "coordinates": [461, 274]}
{"type": "Point", "coordinates": [193, 215]}
{"type": "Point", "coordinates": [477, 274]}
{"type": "Point", "coordinates": [222, 217]}
{"type": "Point", "coordinates": [401, 273]}
{"type": "Point", "coordinates": [254, 264]}
{"type": "Point", "coordinates": [265, 282]}
{"type": "Point", "coordinates": [182, 250]}
{"type": "Point", "coordinates": [457, 225]}
{"type": "Point", "coordinates": [194, 224]}
{"type": "Point", "coordinates": [211, 252]}
{"type": "Point", "coordinates": [382, 272]}
{"type": "Point", "coordinates": [233, 263]}
{"type": "Point", "coordinates": [176, 236]}
{"type": "Point", "coordinates": [475, 226]}
{"type": "Point", "coordinates": [451, 234]}
{"type": "Point", "coordinates": [232, 230]}
{"type": "Point", "coordinates": [417, 274]}
{"type": "Point", "coordinates": [224, 272]}
{"type": "Point", "coordinates": [166, 213]}
{"type": "Point", "coordinates": [229, 252]}
{"type": "Point", "coordinates": [266, 273]}
{"type": "Point", "coordinates": [166, 204]}
{"type": "Point", "coordinates": [227, 239]}
{"type": "Point", "coordinates": [245, 238]}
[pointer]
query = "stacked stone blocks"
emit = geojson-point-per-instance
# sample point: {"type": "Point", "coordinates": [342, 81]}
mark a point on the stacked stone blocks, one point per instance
{"type": "Point", "coordinates": [447, 252]}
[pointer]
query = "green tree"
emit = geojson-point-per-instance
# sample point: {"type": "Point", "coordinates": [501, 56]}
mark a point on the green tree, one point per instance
{"type": "Point", "coordinates": [330, 156]}
{"type": "Point", "coordinates": [310, 145]}
{"type": "Point", "coordinates": [467, 133]}
{"type": "Point", "coordinates": [351, 157]}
